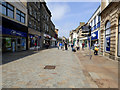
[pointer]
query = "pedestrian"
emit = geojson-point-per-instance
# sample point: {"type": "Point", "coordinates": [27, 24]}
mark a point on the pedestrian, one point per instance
{"type": "Point", "coordinates": [47, 45]}
{"type": "Point", "coordinates": [72, 46]}
{"type": "Point", "coordinates": [58, 45]}
{"type": "Point", "coordinates": [78, 46]}
{"type": "Point", "coordinates": [96, 48]}
{"type": "Point", "coordinates": [63, 44]}
{"type": "Point", "coordinates": [83, 44]}
{"type": "Point", "coordinates": [35, 44]}
{"type": "Point", "coordinates": [66, 48]}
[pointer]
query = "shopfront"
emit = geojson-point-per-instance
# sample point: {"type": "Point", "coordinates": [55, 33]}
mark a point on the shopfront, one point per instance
{"type": "Point", "coordinates": [94, 39]}
{"type": "Point", "coordinates": [34, 40]}
{"type": "Point", "coordinates": [81, 40]}
{"type": "Point", "coordinates": [14, 36]}
{"type": "Point", "coordinates": [13, 40]}
{"type": "Point", "coordinates": [53, 42]}
{"type": "Point", "coordinates": [47, 39]}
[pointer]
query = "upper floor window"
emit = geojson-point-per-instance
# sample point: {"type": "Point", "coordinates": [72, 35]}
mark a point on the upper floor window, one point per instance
{"type": "Point", "coordinates": [34, 25]}
{"type": "Point", "coordinates": [98, 18]}
{"type": "Point", "coordinates": [7, 9]}
{"type": "Point", "coordinates": [20, 16]}
{"type": "Point", "coordinates": [30, 10]}
{"type": "Point", "coordinates": [95, 21]}
{"type": "Point", "coordinates": [107, 36]}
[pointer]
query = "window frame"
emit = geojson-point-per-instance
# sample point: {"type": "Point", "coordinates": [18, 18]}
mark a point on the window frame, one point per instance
{"type": "Point", "coordinates": [21, 16]}
{"type": "Point", "coordinates": [107, 35]}
{"type": "Point", "coordinates": [7, 8]}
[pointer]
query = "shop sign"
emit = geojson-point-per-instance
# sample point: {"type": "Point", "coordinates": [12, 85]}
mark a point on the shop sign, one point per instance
{"type": "Point", "coordinates": [94, 36]}
{"type": "Point", "coordinates": [45, 35]}
{"type": "Point", "coordinates": [53, 39]}
{"type": "Point", "coordinates": [13, 32]}
{"type": "Point", "coordinates": [31, 36]}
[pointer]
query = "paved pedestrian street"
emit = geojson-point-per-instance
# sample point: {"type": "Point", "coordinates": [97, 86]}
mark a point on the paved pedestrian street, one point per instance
{"type": "Point", "coordinates": [70, 71]}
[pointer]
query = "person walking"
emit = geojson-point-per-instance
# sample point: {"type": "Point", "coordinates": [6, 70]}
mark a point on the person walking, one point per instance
{"type": "Point", "coordinates": [66, 48]}
{"type": "Point", "coordinates": [47, 45]}
{"type": "Point", "coordinates": [63, 44]}
{"type": "Point", "coordinates": [83, 44]}
{"type": "Point", "coordinates": [35, 44]}
{"type": "Point", "coordinates": [96, 48]}
{"type": "Point", "coordinates": [58, 45]}
{"type": "Point", "coordinates": [78, 46]}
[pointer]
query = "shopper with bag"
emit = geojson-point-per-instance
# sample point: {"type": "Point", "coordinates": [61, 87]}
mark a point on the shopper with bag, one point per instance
{"type": "Point", "coordinates": [96, 48]}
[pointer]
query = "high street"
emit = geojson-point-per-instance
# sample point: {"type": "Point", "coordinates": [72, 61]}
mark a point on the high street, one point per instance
{"type": "Point", "coordinates": [72, 70]}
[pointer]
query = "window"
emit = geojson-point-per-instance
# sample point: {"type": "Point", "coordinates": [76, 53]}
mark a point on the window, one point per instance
{"type": "Point", "coordinates": [20, 16]}
{"type": "Point", "coordinates": [7, 10]}
{"type": "Point", "coordinates": [98, 24]}
{"type": "Point", "coordinates": [98, 18]}
{"type": "Point", "coordinates": [95, 21]}
{"type": "Point", "coordinates": [107, 36]}
{"type": "Point", "coordinates": [30, 10]}
{"type": "Point", "coordinates": [119, 38]}
{"type": "Point", "coordinates": [34, 25]}
{"type": "Point", "coordinates": [30, 23]}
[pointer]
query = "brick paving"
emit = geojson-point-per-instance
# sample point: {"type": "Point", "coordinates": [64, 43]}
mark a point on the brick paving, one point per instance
{"type": "Point", "coordinates": [101, 70]}
{"type": "Point", "coordinates": [73, 70]}
{"type": "Point", "coordinates": [29, 72]}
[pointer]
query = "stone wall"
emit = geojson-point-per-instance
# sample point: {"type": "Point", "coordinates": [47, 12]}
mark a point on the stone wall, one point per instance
{"type": "Point", "coordinates": [111, 13]}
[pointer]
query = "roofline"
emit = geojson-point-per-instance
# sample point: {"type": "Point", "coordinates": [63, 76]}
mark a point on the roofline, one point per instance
{"type": "Point", "coordinates": [94, 13]}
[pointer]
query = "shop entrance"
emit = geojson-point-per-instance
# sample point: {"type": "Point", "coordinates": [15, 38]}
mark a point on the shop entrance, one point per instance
{"type": "Point", "coordinates": [13, 44]}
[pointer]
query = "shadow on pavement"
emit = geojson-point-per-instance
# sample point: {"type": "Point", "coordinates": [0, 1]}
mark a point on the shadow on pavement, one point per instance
{"type": "Point", "coordinates": [9, 57]}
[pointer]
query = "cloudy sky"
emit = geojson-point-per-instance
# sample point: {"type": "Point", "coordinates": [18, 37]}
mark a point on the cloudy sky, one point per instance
{"type": "Point", "coordinates": [67, 15]}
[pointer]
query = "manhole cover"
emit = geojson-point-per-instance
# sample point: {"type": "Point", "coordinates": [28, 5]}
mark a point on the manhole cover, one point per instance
{"type": "Point", "coordinates": [49, 67]}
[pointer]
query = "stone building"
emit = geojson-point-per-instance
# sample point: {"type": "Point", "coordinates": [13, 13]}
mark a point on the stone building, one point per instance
{"type": "Point", "coordinates": [94, 22]}
{"type": "Point", "coordinates": [110, 29]}
{"type": "Point", "coordinates": [34, 24]}
{"type": "Point", "coordinates": [14, 26]}
{"type": "Point", "coordinates": [45, 23]}
{"type": "Point", "coordinates": [52, 34]}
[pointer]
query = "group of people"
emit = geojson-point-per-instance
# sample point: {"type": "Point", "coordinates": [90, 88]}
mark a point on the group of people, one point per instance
{"type": "Point", "coordinates": [62, 45]}
{"type": "Point", "coordinates": [77, 47]}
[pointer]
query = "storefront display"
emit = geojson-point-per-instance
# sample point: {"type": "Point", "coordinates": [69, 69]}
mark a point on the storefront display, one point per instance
{"type": "Point", "coordinates": [8, 42]}
{"type": "Point", "coordinates": [13, 40]}
{"type": "Point", "coordinates": [34, 40]}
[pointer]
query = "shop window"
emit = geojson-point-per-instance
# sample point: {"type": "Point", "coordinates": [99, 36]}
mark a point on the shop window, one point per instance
{"type": "Point", "coordinates": [107, 36]}
{"type": "Point", "coordinates": [7, 10]}
{"type": "Point", "coordinates": [119, 38]}
{"type": "Point", "coordinates": [20, 16]}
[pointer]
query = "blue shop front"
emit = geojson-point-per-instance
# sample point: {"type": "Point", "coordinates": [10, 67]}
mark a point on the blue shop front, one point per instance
{"type": "Point", "coordinates": [94, 38]}
{"type": "Point", "coordinates": [13, 39]}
